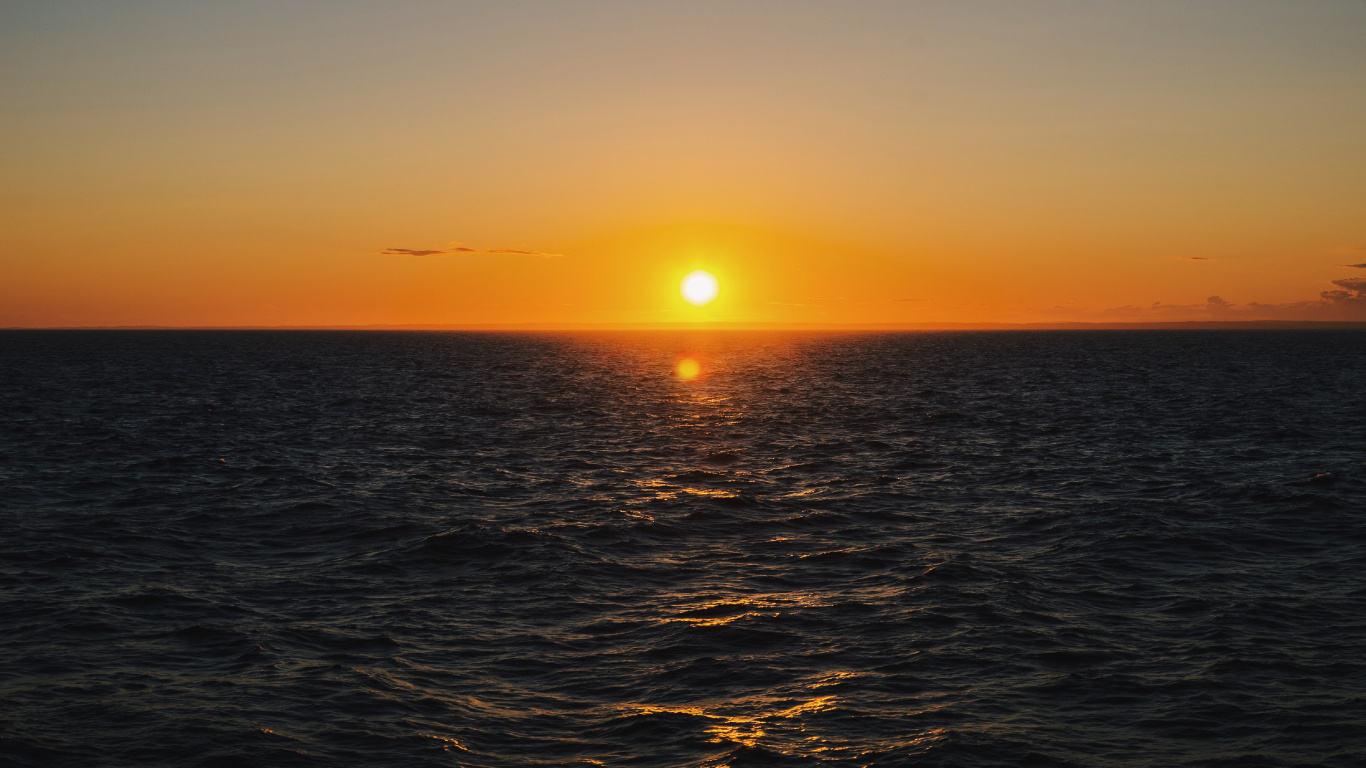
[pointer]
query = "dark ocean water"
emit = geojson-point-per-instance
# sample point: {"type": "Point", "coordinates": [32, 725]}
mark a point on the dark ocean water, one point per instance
{"type": "Point", "coordinates": [427, 549]}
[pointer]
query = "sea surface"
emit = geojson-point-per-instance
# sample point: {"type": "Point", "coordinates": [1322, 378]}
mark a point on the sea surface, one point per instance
{"type": "Point", "coordinates": [1122, 548]}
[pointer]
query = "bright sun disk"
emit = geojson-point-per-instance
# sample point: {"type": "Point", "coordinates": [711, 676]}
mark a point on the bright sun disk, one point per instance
{"type": "Point", "coordinates": [699, 288]}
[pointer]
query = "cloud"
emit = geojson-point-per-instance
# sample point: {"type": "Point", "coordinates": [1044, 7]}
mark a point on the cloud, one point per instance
{"type": "Point", "coordinates": [408, 252]}
{"type": "Point", "coordinates": [1348, 303]}
{"type": "Point", "coordinates": [1195, 258]}
{"type": "Point", "coordinates": [456, 248]}
{"type": "Point", "coordinates": [517, 252]}
{"type": "Point", "coordinates": [1354, 266]}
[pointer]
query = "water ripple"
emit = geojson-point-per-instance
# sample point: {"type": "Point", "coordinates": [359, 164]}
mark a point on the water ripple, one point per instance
{"type": "Point", "coordinates": [485, 550]}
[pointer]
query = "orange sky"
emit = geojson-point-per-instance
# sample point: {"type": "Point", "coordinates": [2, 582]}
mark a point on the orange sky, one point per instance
{"type": "Point", "coordinates": [248, 163]}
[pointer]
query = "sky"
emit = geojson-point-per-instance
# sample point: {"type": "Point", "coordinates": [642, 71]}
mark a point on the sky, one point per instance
{"type": "Point", "coordinates": [517, 163]}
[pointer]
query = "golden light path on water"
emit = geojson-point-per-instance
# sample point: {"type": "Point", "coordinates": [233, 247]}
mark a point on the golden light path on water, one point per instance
{"type": "Point", "coordinates": [777, 720]}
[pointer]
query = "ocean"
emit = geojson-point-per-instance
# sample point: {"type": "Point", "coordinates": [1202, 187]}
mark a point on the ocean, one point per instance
{"type": "Point", "coordinates": [260, 548]}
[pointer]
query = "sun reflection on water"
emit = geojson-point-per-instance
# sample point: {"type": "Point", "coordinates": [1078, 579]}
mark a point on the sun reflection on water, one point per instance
{"type": "Point", "coordinates": [688, 369]}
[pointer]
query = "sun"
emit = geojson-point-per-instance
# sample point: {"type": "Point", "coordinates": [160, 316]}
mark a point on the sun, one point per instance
{"type": "Point", "coordinates": [699, 288]}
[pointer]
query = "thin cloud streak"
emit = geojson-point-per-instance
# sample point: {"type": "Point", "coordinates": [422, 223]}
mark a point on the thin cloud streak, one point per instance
{"type": "Point", "coordinates": [456, 248]}
{"type": "Point", "coordinates": [408, 252]}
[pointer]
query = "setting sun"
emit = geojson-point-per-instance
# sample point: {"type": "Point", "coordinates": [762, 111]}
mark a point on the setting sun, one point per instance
{"type": "Point", "coordinates": [699, 288]}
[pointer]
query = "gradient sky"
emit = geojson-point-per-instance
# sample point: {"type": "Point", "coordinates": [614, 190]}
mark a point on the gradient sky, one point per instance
{"type": "Point", "coordinates": [249, 163]}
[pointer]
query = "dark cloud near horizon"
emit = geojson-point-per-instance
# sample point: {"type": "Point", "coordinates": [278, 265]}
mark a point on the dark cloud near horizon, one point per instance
{"type": "Point", "coordinates": [1354, 266]}
{"type": "Point", "coordinates": [1195, 258]}
{"type": "Point", "coordinates": [1348, 303]}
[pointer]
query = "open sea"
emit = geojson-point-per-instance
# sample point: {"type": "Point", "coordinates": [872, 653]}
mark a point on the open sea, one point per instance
{"type": "Point", "coordinates": [258, 548]}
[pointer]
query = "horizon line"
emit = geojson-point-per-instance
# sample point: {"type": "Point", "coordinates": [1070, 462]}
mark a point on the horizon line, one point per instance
{"type": "Point", "coordinates": [737, 326]}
